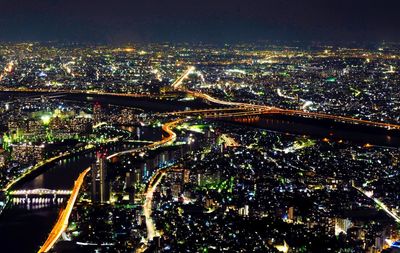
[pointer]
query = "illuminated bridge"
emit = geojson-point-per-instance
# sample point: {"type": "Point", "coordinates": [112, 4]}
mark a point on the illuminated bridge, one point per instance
{"type": "Point", "coordinates": [233, 112]}
{"type": "Point", "coordinates": [38, 197]}
{"type": "Point", "coordinates": [227, 112]}
{"type": "Point", "coordinates": [39, 192]}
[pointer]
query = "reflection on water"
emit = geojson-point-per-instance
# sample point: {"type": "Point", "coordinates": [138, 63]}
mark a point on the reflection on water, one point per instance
{"type": "Point", "coordinates": [333, 132]}
{"type": "Point", "coordinates": [38, 182]}
{"type": "Point", "coordinates": [62, 175]}
{"type": "Point", "coordinates": [145, 133]}
{"type": "Point", "coordinates": [33, 203]}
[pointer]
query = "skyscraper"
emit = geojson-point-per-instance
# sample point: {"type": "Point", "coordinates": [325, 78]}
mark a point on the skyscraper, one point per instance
{"type": "Point", "coordinates": [100, 189]}
{"type": "Point", "coordinates": [97, 114]}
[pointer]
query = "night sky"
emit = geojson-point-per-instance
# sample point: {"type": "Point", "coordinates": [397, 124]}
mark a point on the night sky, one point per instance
{"type": "Point", "coordinates": [121, 21]}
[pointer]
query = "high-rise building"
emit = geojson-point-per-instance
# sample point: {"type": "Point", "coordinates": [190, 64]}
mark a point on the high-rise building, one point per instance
{"type": "Point", "coordinates": [97, 114]}
{"type": "Point", "coordinates": [186, 176]}
{"type": "Point", "coordinates": [128, 179]}
{"type": "Point", "coordinates": [27, 153]}
{"type": "Point", "coordinates": [80, 125]}
{"type": "Point", "coordinates": [130, 187]}
{"type": "Point", "coordinates": [94, 183]}
{"type": "Point", "coordinates": [291, 213]}
{"type": "Point", "coordinates": [104, 193]}
{"type": "Point", "coordinates": [244, 211]}
{"type": "Point", "coordinates": [100, 188]}
{"type": "Point", "coordinates": [3, 158]}
{"type": "Point", "coordinates": [138, 133]}
{"type": "Point", "coordinates": [342, 225]}
{"type": "Point", "coordinates": [138, 173]}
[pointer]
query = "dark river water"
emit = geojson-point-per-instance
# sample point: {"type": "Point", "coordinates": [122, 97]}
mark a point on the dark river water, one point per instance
{"type": "Point", "coordinates": [324, 129]}
{"type": "Point", "coordinates": [24, 228]}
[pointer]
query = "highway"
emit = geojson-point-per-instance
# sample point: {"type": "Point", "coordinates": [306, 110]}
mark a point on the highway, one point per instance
{"type": "Point", "coordinates": [226, 103]}
{"type": "Point", "coordinates": [154, 181]}
{"type": "Point", "coordinates": [148, 204]}
{"type": "Point", "coordinates": [335, 118]}
{"type": "Point", "coordinates": [178, 82]}
{"type": "Point", "coordinates": [205, 111]}
{"type": "Point", "coordinates": [235, 109]}
{"type": "Point", "coordinates": [62, 221]}
{"type": "Point", "coordinates": [379, 203]}
{"type": "Point", "coordinates": [274, 110]}
{"type": "Point", "coordinates": [147, 207]}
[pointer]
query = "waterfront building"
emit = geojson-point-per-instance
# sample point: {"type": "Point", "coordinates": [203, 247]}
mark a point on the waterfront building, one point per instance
{"type": "Point", "coordinates": [97, 114]}
{"type": "Point", "coordinates": [28, 153]}
{"type": "Point", "coordinates": [3, 158]}
{"type": "Point", "coordinates": [100, 184]}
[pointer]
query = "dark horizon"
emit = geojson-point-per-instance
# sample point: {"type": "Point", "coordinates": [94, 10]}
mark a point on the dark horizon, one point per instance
{"type": "Point", "coordinates": [207, 21]}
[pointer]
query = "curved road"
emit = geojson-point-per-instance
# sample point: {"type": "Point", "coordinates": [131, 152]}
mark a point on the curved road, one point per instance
{"type": "Point", "coordinates": [62, 222]}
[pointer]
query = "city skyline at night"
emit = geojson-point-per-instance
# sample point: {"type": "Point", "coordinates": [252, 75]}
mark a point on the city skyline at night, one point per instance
{"type": "Point", "coordinates": [200, 126]}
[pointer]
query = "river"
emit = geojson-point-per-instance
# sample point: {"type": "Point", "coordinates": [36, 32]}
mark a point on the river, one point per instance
{"type": "Point", "coordinates": [318, 129]}
{"type": "Point", "coordinates": [23, 228]}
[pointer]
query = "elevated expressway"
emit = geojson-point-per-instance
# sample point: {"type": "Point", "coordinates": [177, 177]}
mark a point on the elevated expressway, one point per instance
{"type": "Point", "coordinates": [241, 111]}
{"type": "Point", "coordinates": [248, 109]}
{"type": "Point", "coordinates": [62, 221]}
